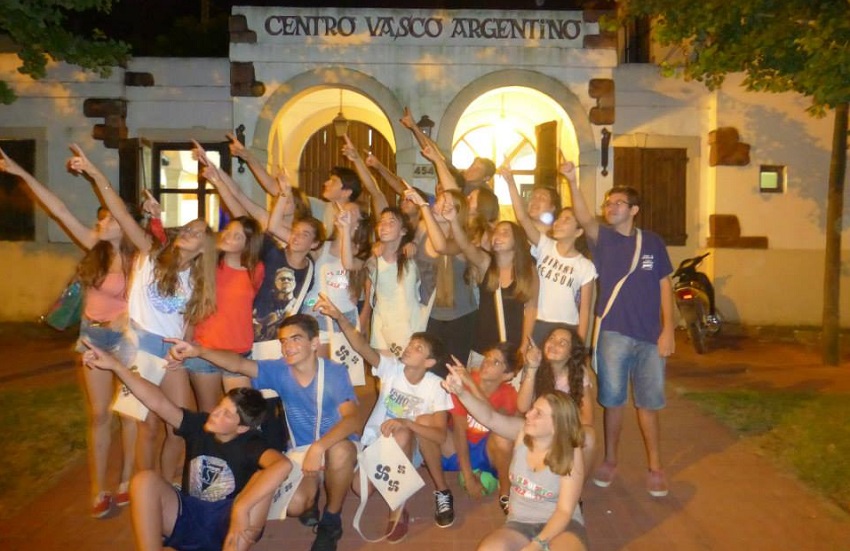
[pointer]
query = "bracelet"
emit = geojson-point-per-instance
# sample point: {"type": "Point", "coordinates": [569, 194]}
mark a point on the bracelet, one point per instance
{"type": "Point", "coordinates": [544, 544]}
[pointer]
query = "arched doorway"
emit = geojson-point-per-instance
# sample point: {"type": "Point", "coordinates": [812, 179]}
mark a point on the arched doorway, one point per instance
{"type": "Point", "coordinates": [323, 151]}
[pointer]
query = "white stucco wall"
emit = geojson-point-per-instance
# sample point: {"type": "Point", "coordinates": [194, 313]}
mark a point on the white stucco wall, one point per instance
{"type": "Point", "coordinates": [190, 99]}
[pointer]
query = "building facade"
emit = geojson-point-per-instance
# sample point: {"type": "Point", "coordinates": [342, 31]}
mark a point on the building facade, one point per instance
{"type": "Point", "coordinates": [741, 174]}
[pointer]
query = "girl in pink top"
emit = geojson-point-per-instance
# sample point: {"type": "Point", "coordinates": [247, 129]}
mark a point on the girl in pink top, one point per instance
{"type": "Point", "coordinates": [103, 273]}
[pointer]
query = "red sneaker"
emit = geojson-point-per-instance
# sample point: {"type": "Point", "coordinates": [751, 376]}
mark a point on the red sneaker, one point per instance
{"type": "Point", "coordinates": [102, 505]}
{"type": "Point", "coordinates": [398, 532]}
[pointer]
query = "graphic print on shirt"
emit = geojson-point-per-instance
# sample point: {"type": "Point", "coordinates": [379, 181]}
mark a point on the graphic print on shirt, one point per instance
{"type": "Point", "coordinates": [210, 478]}
{"type": "Point", "coordinates": [165, 304]}
{"type": "Point", "coordinates": [474, 425]}
{"type": "Point", "coordinates": [529, 489]}
{"type": "Point", "coordinates": [552, 269]}
{"type": "Point", "coordinates": [336, 279]}
{"type": "Point", "coordinates": [401, 405]}
{"type": "Point", "coordinates": [647, 262]}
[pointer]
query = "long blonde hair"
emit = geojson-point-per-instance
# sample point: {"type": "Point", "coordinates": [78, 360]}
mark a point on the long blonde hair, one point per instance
{"type": "Point", "coordinates": [568, 433]}
{"type": "Point", "coordinates": [201, 275]}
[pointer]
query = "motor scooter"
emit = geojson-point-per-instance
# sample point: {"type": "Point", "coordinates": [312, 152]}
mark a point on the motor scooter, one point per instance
{"type": "Point", "coordinates": [695, 299]}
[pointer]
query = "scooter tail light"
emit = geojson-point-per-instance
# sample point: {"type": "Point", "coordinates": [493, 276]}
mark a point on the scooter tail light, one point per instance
{"type": "Point", "coordinates": [685, 294]}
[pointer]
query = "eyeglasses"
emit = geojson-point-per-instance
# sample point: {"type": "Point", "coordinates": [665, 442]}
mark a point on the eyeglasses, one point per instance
{"type": "Point", "coordinates": [616, 204]}
{"type": "Point", "coordinates": [187, 230]}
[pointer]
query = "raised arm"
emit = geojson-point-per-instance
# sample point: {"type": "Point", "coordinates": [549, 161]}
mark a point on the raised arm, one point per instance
{"type": "Point", "coordinates": [475, 255]}
{"type": "Point", "coordinates": [379, 200]}
{"type": "Point", "coordinates": [525, 396]}
{"type": "Point", "coordinates": [214, 175]}
{"type": "Point", "coordinates": [266, 180]}
{"type": "Point", "coordinates": [393, 180]}
{"type": "Point", "coordinates": [504, 425]}
{"type": "Point", "coordinates": [51, 202]}
{"type": "Point", "coordinates": [444, 173]}
{"type": "Point", "coordinates": [520, 210]}
{"type": "Point", "coordinates": [235, 363]}
{"type": "Point", "coordinates": [356, 339]}
{"type": "Point", "coordinates": [279, 221]}
{"type": "Point", "coordinates": [80, 164]}
{"type": "Point", "coordinates": [583, 214]}
{"type": "Point", "coordinates": [436, 237]}
{"type": "Point", "coordinates": [148, 393]}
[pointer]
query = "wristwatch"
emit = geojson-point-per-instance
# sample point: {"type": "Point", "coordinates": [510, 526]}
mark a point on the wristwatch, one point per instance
{"type": "Point", "coordinates": [544, 544]}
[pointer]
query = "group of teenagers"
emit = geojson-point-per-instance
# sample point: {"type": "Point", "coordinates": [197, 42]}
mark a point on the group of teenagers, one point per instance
{"type": "Point", "coordinates": [474, 326]}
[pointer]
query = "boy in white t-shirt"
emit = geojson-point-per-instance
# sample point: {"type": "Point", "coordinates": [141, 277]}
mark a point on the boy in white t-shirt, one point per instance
{"type": "Point", "coordinates": [412, 408]}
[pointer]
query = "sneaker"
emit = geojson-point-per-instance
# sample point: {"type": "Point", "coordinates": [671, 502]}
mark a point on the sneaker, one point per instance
{"type": "Point", "coordinates": [504, 503]}
{"type": "Point", "coordinates": [656, 483]}
{"type": "Point", "coordinates": [122, 497]}
{"type": "Point", "coordinates": [444, 503]}
{"type": "Point", "coordinates": [102, 505]}
{"type": "Point", "coordinates": [310, 517]}
{"type": "Point", "coordinates": [604, 475]}
{"type": "Point", "coordinates": [327, 536]}
{"type": "Point", "coordinates": [396, 532]}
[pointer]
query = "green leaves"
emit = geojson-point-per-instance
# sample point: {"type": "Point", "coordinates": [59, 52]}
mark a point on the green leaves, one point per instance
{"type": "Point", "coordinates": [781, 45]}
{"type": "Point", "coordinates": [37, 29]}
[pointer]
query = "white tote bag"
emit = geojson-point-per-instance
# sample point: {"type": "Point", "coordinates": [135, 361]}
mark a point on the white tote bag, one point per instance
{"type": "Point", "coordinates": [386, 466]}
{"type": "Point", "coordinates": [149, 367]}
{"type": "Point", "coordinates": [283, 495]}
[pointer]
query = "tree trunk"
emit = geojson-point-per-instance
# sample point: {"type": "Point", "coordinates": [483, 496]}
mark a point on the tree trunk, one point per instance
{"type": "Point", "coordinates": [832, 257]}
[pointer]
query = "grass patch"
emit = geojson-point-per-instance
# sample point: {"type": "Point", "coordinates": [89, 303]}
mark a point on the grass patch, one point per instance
{"type": "Point", "coordinates": [44, 429]}
{"type": "Point", "coordinates": [806, 433]}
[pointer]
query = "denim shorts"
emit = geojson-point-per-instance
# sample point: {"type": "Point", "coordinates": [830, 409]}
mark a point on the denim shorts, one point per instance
{"type": "Point", "coordinates": [530, 530]}
{"type": "Point", "coordinates": [150, 342]}
{"type": "Point", "coordinates": [107, 339]}
{"type": "Point", "coordinates": [200, 365]}
{"type": "Point", "coordinates": [621, 359]}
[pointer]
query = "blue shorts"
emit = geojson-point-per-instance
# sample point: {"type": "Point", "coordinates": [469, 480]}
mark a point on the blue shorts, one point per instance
{"type": "Point", "coordinates": [108, 339]}
{"type": "Point", "coordinates": [477, 457]}
{"type": "Point", "coordinates": [150, 342]}
{"type": "Point", "coordinates": [200, 365]}
{"type": "Point", "coordinates": [621, 359]}
{"type": "Point", "coordinates": [200, 525]}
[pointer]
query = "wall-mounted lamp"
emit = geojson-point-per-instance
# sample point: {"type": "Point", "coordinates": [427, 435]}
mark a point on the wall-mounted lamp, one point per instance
{"type": "Point", "coordinates": [340, 122]}
{"type": "Point", "coordinates": [240, 135]}
{"type": "Point", "coordinates": [606, 141]}
{"type": "Point", "coordinates": [426, 125]}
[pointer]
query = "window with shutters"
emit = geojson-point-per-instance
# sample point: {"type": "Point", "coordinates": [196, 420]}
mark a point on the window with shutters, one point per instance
{"type": "Point", "coordinates": [17, 209]}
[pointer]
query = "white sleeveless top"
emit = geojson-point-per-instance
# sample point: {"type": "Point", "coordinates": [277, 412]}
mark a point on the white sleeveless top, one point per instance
{"type": "Point", "coordinates": [152, 311]}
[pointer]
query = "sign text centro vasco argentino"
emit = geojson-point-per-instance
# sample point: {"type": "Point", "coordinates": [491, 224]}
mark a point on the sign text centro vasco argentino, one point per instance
{"type": "Point", "coordinates": [424, 27]}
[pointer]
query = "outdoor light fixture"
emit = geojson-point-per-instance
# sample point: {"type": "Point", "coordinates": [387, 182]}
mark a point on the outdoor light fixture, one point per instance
{"type": "Point", "coordinates": [340, 122]}
{"type": "Point", "coordinates": [240, 136]}
{"type": "Point", "coordinates": [426, 125]}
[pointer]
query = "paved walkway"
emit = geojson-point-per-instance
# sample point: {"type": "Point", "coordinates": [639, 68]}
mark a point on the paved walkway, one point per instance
{"type": "Point", "coordinates": [724, 494]}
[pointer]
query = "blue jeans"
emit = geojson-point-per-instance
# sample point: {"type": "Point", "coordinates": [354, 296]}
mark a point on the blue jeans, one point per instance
{"type": "Point", "coordinates": [621, 359]}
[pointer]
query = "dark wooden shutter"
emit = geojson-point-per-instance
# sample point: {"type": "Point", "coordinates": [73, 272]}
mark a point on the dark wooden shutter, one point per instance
{"type": "Point", "coordinates": [17, 208]}
{"type": "Point", "coordinates": [660, 176]}
{"type": "Point", "coordinates": [546, 171]}
{"type": "Point", "coordinates": [323, 151]}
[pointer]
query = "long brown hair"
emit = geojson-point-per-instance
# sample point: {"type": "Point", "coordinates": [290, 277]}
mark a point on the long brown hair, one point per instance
{"type": "Point", "coordinates": [568, 434]}
{"type": "Point", "coordinates": [202, 268]}
{"type": "Point", "coordinates": [544, 381]}
{"type": "Point", "coordinates": [523, 270]}
{"type": "Point", "coordinates": [407, 235]}
{"type": "Point", "coordinates": [94, 267]}
{"type": "Point", "coordinates": [250, 256]}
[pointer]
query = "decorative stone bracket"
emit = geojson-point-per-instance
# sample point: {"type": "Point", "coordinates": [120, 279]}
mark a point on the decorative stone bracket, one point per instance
{"type": "Point", "coordinates": [726, 233]}
{"type": "Point", "coordinates": [726, 148]}
{"type": "Point", "coordinates": [602, 90]}
{"type": "Point", "coordinates": [114, 113]}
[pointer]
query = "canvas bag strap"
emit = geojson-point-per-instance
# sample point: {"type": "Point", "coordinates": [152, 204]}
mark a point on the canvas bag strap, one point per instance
{"type": "Point", "coordinates": [320, 392]}
{"type": "Point", "coordinates": [303, 293]}
{"type": "Point", "coordinates": [500, 314]}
